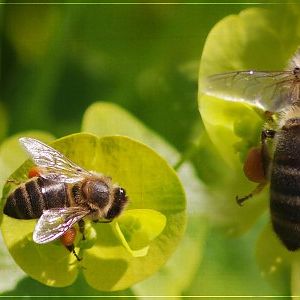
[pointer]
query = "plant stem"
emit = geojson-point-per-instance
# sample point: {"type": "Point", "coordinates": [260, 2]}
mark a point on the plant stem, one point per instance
{"type": "Point", "coordinates": [190, 151]}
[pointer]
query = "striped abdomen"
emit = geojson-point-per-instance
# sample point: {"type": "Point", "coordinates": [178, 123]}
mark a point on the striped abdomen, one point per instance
{"type": "Point", "coordinates": [32, 197]}
{"type": "Point", "coordinates": [285, 187]}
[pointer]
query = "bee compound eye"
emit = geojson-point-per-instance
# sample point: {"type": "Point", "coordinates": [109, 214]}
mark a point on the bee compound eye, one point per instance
{"type": "Point", "coordinates": [296, 70]}
{"type": "Point", "coordinates": [120, 195]}
{"type": "Point", "coordinates": [121, 192]}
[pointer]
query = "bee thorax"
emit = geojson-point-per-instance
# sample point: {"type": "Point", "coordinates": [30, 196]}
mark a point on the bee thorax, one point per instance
{"type": "Point", "coordinates": [290, 117]}
{"type": "Point", "coordinates": [97, 192]}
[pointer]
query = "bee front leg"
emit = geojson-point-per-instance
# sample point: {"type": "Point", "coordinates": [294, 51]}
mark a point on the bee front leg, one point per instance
{"type": "Point", "coordinates": [102, 221]}
{"type": "Point", "coordinates": [81, 225]}
{"type": "Point", "coordinates": [14, 181]}
{"type": "Point", "coordinates": [265, 154]}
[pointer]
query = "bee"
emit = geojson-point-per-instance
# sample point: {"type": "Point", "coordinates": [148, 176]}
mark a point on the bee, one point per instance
{"type": "Point", "coordinates": [61, 194]}
{"type": "Point", "coordinates": [277, 159]}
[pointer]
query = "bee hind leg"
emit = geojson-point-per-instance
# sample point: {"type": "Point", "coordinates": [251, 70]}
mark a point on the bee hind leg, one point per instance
{"type": "Point", "coordinates": [257, 190]}
{"type": "Point", "coordinates": [71, 248]}
{"type": "Point", "coordinates": [256, 166]}
{"type": "Point", "coordinates": [81, 225]}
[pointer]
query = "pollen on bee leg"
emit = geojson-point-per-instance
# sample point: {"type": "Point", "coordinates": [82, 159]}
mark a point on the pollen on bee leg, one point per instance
{"type": "Point", "coordinates": [253, 165]}
{"type": "Point", "coordinates": [34, 172]}
{"type": "Point", "coordinates": [67, 239]}
{"type": "Point", "coordinates": [254, 170]}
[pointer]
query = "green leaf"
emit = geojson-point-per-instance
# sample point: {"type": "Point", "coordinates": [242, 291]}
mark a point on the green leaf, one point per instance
{"type": "Point", "coordinates": [179, 272]}
{"type": "Point", "coordinates": [150, 184]}
{"type": "Point", "coordinates": [295, 268]}
{"type": "Point", "coordinates": [32, 288]}
{"type": "Point", "coordinates": [104, 118]}
{"type": "Point", "coordinates": [11, 156]}
{"type": "Point", "coordinates": [138, 227]}
{"type": "Point", "coordinates": [239, 43]}
{"type": "Point", "coordinates": [3, 121]}
{"type": "Point", "coordinates": [100, 118]}
{"type": "Point", "coordinates": [274, 260]}
{"type": "Point", "coordinates": [38, 261]}
{"type": "Point", "coordinates": [226, 121]}
{"type": "Point", "coordinates": [9, 271]}
{"type": "Point", "coordinates": [229, 268]}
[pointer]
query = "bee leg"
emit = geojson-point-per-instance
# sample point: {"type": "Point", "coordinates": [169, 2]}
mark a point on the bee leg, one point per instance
{"type": "Point", "coordinates": [81, 225]}
{"type": "Point", "coordinates": [257, 190]}
{"type": "Point", "coordinates": [266, 158]}
{"type": "Point", "coordinates": [14, 181]}
{"type": "Point", "coordinates": [71, 248]}
{"type": "Point", "coordinates": [102, 221]}
{"type": "Point", "coordinates": [267, 133]}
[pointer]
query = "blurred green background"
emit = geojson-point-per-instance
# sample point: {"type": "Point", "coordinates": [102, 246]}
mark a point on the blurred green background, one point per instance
{"type": "Point", "coordinates": [56, 60]}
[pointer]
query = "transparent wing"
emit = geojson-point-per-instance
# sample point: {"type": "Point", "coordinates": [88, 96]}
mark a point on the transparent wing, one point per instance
{"type": "Point", "coordinates": [55, 166]}
{"type": "Point", "coordinates": [55, 222]}
{"type": "Point", "coordinates": [270, 91]}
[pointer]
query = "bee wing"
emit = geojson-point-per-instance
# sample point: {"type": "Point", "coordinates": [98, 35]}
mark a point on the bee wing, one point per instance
{"type": "Point", "coordinates": [271, 91]}
{"type": "Point", "coordinates": [55, 222]}
{"type": "Point", "coordinates": [55, 165]}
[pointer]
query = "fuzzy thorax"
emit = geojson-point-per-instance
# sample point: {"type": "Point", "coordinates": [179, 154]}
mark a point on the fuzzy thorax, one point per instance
{"type": "Point", "coordinates": [289, 114]}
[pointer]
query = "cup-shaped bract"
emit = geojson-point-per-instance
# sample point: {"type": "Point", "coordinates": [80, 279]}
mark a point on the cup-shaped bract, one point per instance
{"type": "Point", "coordinates": [155, 196]}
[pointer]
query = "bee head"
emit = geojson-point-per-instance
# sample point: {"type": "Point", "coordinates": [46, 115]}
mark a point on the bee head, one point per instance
{"type": "Point", "coordinates": [119, 201]}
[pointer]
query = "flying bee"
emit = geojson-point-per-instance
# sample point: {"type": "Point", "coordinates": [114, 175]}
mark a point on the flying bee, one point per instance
{"type": "Point", "coordinates": [61, 194]}
{"type": "Point", "coordinates": [278, 93]}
